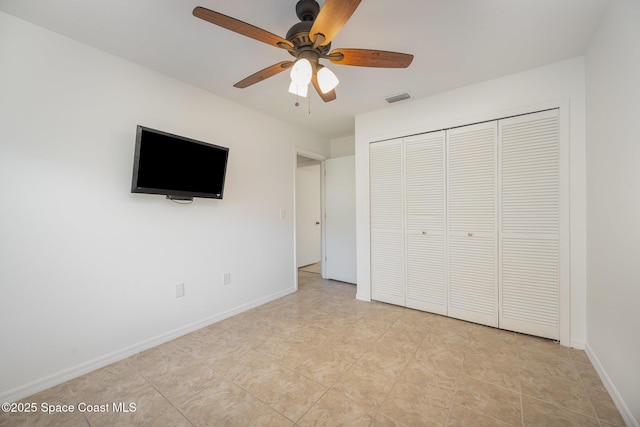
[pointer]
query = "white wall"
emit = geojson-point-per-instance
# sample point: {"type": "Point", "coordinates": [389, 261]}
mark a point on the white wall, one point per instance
{"type": "Point", "coordinates": [516, 93]}
{"type": "Point", "coordinates": [345, 146]}
{"type": "Point", "coordinates": [87, 269]}
{"type": "Point", "coordinates": [613, 208]}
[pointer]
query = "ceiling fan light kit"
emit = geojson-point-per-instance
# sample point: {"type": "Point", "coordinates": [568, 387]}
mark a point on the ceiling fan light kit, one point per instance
{"type": "Point", "coordinates": [327, 79]}
{"type": "Point", "coordinates": [301, 72]}
{"type": "Point", "coordinates": [309, 41]}
{"type": "Point", "coordinates": [299, 90]}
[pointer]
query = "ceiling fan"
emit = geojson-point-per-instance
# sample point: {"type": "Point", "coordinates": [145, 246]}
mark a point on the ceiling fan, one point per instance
{"type": "Point", "coordinates": [309, 41]}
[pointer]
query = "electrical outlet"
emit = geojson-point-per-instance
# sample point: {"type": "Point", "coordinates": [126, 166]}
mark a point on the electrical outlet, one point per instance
{"type": "Point", "coordinates": [227, 279]}
{"type": "Point", "coordinates": [179, 290]}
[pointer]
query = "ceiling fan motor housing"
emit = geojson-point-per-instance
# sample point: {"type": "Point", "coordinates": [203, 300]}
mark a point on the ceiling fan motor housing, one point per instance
{"type": "Point", "coordinates": [307, 10]}
{"type": "Point", "coordinates": [298, 34]}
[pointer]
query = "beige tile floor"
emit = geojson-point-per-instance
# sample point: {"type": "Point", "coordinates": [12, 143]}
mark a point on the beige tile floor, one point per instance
{"type": "Point", "coordinates": [320, 357]}
{"type": "Point", "coordinates": [311, 268]}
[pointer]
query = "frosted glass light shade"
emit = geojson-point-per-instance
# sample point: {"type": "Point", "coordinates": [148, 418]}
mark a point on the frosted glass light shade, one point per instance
{"type": "Point", "coordinates": [300, 90]}
{"type": "Point", "coordinates": [301, 72]}
{"type": "Point", "coordinates": [327, 80]}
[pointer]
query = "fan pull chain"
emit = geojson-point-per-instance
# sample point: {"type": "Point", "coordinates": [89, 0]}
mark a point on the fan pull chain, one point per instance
{"type": "Point", "coordinates": [297, 103]}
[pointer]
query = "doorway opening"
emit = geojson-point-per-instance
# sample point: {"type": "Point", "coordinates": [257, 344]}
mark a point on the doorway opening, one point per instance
{"type": "Point", "coordinates": [308, 213]}
{"type": "Point", "coordinates": [309, 239]}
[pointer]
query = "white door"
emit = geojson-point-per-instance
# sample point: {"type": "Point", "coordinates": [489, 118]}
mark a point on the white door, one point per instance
{"type": "Point", "coordinates": [425, 222]}
{"type": "Point", "coordinates": [308, 214]}
{"type": "Point", "coordinates": [387, 219]}
{"type": "Point", "coordinates": [472, 223]}
{"type": "Point", "coordinates": [340, 219]}
{"type": "Point", "coordinates": [530, 224]}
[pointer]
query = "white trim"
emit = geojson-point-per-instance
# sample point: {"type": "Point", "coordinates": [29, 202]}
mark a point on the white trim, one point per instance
{"type": "Point", "coordinates": [564, 137]}
{"type": "Point", "coordinates": [363, 222]}
{"type": "Point", "coordinates": [118, 355]}
{"type": "Point", "coordinates": [363, 297]}
{"type": "Point", "coordinates": [622, 407]}
{"type": "Point", "coordinates": [469, 120]}
{"type": "Point", "coordinates": [579, 344]}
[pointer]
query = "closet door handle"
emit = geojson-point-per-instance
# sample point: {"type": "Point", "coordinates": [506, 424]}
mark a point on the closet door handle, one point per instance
{"type": "Point", "coordinates": [470, 234]}
{"type": "Point", "coordinates": [424, 232]}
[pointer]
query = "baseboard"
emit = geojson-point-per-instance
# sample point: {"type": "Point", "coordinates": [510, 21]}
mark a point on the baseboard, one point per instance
{"type": "Point", "coordinates": [65, 375]}
{"type": "Point", "coordinates": [363, 297]}
{"type": "Point", "coordinates": [613, 392]}
{"type": "Point", "coordinates": [579, 344]}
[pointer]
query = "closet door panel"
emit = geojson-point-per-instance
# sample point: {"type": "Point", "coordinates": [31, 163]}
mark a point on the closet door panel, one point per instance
{"type": "Point", "coordinates": [472, 276]}
{"type": "Point", "coordinates": [529, 286]}
{"type": "Point", "coordinates": [472, 223]}
{"type": "Point", "coordinates": [385, 181]}
{"type": "Point", "coordinates": [387, 267]}
{"type": "Point", "coordinates": [425, 182]}
{"type": "Point", "coordinates": [426, 273]}
{"type": "Point", "coordinates": [425, 222]}
{"type": "Point", "coordinates": [387, 221]}
{"type": "Point", "coordinates": [472, 178]}
{"type": "Point", "coordinates": [530, 224]}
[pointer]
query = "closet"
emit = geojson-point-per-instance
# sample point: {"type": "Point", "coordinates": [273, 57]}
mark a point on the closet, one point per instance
{"type": "Point", "coordinates": [465, 222]}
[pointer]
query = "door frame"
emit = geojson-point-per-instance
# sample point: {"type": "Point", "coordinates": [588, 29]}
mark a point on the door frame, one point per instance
{"type": "Point", "coordinates": [321, 158]}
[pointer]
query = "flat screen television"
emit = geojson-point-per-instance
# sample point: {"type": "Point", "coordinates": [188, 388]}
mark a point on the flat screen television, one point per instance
{"type": "Point", "coordinates": [178, 167]}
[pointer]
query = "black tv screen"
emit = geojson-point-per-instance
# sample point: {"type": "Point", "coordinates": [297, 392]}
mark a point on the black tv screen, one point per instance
{"type": "Point", "coordinates": [176, 166]}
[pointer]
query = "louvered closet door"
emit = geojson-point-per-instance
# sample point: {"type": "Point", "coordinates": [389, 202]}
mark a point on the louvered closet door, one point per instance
{"type": "Point", "coordinates": [387, 222]}
{"type": "Point", "coordinates": [472, 223]}
{"type": "Point", "coordinates": [530, 218]}
{"type": "Point", "coordinates": [425, 222]}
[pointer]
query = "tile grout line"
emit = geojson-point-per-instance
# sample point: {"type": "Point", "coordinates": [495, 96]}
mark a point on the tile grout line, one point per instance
{"type": "Point", "coordinates": [400, 374]}
{"type": "Point", "coordinates": [232, 382]}
{"type": "Point", "coordinates": [84, 415]}
{"type": "Point", "coordinates": [334, 383]}
{"type": "Point", "coordinates": [520, 383]}
{"type": "Point", "coordinates": [584, 388]}
{"type": "Point", "coordinates": [455, 392]}
{"type": "Point", "coordinates": [564, 381]}
{"type": "Point", "coordinates": [295, 422]}
{"type": "Point", "coordinates": [161, 394]}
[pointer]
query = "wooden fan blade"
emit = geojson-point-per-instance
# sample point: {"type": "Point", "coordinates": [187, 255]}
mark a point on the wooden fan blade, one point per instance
{"type": "Point", "coordinates": [326, 97]}
{"type": "Point", "coordinates": [241, 27]}
{"type": "Point", "coordinates": [263, 74]}
{"type": "Point", "coordinates": [332, 17]}
{"type": "Point", "coordinates": [370, 58]}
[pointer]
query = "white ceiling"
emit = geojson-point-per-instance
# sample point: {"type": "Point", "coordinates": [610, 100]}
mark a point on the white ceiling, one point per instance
{"type": "Point", "coordinates": [455, 43]}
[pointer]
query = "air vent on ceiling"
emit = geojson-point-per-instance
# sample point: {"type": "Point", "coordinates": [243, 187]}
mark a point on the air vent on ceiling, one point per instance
{"type": "Point", "coordinates": [396, 98]}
